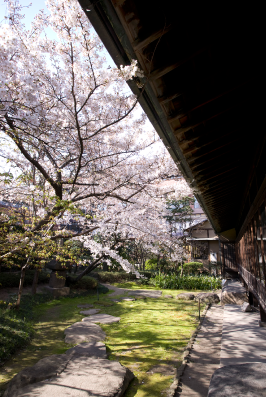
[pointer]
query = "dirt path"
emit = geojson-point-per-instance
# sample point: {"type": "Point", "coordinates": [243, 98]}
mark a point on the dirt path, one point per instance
{"type": "Point", "coordinates": [205, 355]}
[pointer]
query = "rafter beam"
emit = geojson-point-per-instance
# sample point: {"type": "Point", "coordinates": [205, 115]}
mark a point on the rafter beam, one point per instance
{"type": "Point", "coordinates": [167, 98]}
{"type": "Point", "coordinates": [139, 44]}
{"type": "Point", "coordinates": [160, 72]}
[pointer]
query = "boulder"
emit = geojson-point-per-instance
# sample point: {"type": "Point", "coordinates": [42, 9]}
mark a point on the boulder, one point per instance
{"type": "Point", "coordinates": [208, 297]}
{"type": "Point", "coordinates": [233, 294]}
{"type": "Point", "coordinates": [82, 377]}
{"type": "Point", "coordinates": [47, 367]}
{"type": "Point", "coordinates": [246, 307]}
{"type": "Point", "coordinates": [102, 318]}
{"type": "Point", "coordinates": [85, 331]}
{"type": "Point", "coordinates": [186, 296]}
{"type": "Point", "coordinates": [239, 380]}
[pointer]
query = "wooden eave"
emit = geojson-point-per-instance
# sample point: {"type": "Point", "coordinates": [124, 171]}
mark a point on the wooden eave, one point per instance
{"type": "Point", "coordinates": [202, 81]}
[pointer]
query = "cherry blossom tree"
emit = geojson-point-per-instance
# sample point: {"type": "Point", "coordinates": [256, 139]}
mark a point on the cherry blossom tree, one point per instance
{"type": "Point", "coordinates": [78, 148]}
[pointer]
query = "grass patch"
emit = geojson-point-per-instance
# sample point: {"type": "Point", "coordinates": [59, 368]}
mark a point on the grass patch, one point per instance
{"type": "Point", "coordinates": [151, 332]}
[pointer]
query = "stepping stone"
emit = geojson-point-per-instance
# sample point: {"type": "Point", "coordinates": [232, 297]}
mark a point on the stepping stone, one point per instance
{"type": "Point", "coordinates": [93, 349]}
{"type": "Point", "coordinates": [186, 296]}
{"type": "Point", "coordinates": [115, 300]}
{"type": "Point", "coordinates": [85, 306]}
{"type": "Point", "coordinates": [168, 296]}
{"type": "Point", "coordinates": [102, 318]}
{"type": "Point", "coordinates": [128, 299]}
{"type": "Point", "coordinates": [84, 332]}
{"type": "Point", "coordinates": [45, 368]}
{"type": "Point", "coordinates": [208, 297]}
{"type": "Point", "coordinates": [89, 312]}
{"type": "Point", "coordinates": [146, 293]}
{"type": "Point", "coordinates": [82, 377]}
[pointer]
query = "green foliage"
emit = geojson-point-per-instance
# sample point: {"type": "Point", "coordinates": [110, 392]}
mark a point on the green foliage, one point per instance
{"type": "Point", "coordinates": [10, 279]}
{"type": "Point", "coordinates": [151, 264]}
{"type": "Point", "coordinates": [146, 273]}
{"type": "Point", "coordinates": [173, 281]}
{"type": "Point", "coordinates": [113, 277]}
{"type": "Point", "coordinates": [192, 267]}
{"type": "Point", "coordinates": [85, 283]}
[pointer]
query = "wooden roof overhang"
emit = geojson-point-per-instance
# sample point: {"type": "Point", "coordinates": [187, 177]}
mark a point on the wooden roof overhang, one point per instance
{"type": "Point", "coordinates": [203, 85]}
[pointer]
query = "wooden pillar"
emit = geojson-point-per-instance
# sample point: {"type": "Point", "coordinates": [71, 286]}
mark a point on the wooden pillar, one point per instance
{"type": "Point", "coordinates": [262, 315]}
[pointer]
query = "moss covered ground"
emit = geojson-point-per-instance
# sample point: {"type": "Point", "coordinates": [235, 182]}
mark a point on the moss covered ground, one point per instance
{"type": "Point", "coordinates": [150, 337]}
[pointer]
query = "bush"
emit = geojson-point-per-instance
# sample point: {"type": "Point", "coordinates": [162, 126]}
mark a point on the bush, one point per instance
{"type": "Point", "coordinates": [114, 277]}
{"type": "Point", "coordinates": [9, 279]}
{"type": "Point", "coordinates": [85, 283]}
{"type": "Point", "coordinates": [192, 267]}
{"type": "Point", "coordinates": [147, 274]}
{"type": "Point", "coordinates": [172, 281]}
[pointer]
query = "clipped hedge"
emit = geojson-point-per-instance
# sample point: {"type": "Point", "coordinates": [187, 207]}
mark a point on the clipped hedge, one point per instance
{"type": "Point", "coordinates": [86, 282]}
{"type": "Point", "coordinates": [113, 277]}
{"type": "Point", "coordinates": [173, 281]}
{"type": "Point", "coordinates": [10, 279]}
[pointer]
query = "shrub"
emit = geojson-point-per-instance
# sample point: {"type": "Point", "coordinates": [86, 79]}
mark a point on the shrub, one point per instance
{"type": "Point", "coordinates": [151, 264]}
{"type": "Point", "coordinates": [146, 273]}
{"type": "Point", "coordinates": [9, 279]}
{"type": "Point", "coordinates": [114, 277]}
{"type": "Point", "coordinates": [172, 281]}
{"type": "Point", "coordinates": [192, 267]}
{"type": "Point", "coordinates": [85, 283]}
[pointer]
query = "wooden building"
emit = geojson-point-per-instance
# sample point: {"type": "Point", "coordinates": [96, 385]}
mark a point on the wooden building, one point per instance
{"type": "Point", "coordinates": [203, 92]}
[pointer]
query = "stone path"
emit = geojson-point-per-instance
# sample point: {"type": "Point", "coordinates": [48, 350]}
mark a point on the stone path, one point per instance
{"type": "Point", "coordinates": [82, 371]}
{"type": "Point", "coordinates": [205, 355]}
{"type": "Point", "coordinates": [143, 293]}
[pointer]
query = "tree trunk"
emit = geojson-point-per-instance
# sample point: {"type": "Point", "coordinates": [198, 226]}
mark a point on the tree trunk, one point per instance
{"type": "Point", "coordinates": [21, 282]}
{"type": "Point", "coordinates": [182, 270]}
{"type": "Point", "coordinates": [35, 282]}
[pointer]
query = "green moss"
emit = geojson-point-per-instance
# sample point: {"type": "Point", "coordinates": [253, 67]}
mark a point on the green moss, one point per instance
{"type": "Point", "coordinates": [151, 332]}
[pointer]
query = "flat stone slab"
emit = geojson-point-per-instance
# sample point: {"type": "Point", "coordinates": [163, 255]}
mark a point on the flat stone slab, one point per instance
{"type": "Point", "coordinates": [85, 306]}
{"type": "Point", "coordinates": [186, 296]}
{"type": "Point", "coordinates": [208, 297]}
{"type": "Point", "coordinates": [128, 299]}
{"type": "Point", "coordinates": [82, 377]}
{"type": "Point", "coordinates": [239, 381]}
{"type": "Point", "coordinates": [145, 293]}
{"type": "Point", "coordinates": [45, 368]}
{"type": "Point", "coordinates": [90, 311]}
{"type": "Point", "coordinates": [85, 331]}
{"type": "Point", "coordinates": [102, 318]}
{"type": "Point", "coordinates": [93, 349]}
{"type": "Point", "coordinates": [168, 296]}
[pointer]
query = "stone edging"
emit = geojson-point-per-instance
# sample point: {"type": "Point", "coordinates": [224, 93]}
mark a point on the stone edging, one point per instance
{"type": "Point", "coordinates": [180, 371]}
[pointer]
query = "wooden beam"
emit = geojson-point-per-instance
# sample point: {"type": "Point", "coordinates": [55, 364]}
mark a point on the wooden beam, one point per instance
{"type": "Point", "coordinates": [194, 167]}
{"type": "Point", "coordinates": [160, 72]}
{"type": "Point", "coordinates": [224, 166]}
{"type": "Point", "coordinates": [167, 98]}
{"type": "Point", "coordinates": [139, 44]}
{"type": "Point", "coordinates": [211, 151]}
{"type": "Point", "coordinates": [193, 149]}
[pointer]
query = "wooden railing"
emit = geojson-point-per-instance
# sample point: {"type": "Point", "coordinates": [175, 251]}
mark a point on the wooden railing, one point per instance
{"type": "Point", "coordinates": [254, 285]}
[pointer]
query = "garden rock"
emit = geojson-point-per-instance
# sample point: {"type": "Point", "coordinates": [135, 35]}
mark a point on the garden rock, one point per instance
{"type": "Point", "coordinates": [85, 306]}
{"type": "Point", "coordinates": [82, 377]}
{"type": "Point", "coordinates": [168, 296]}
{"type": "Point", "coordinates": [162, 369]}
{"type": "Point", "coordinates": [145, 293]}
{"type": "Point", "coordinates": [93, 349]}
{"type": "Point", "coordinates": [234, 294]}
{"type": "Point", "coordinates": [128, 299]}
{"type": "Point", "coordinates": [89, 312]}
{"type": "Point", "coordinates": [246, 307]}
{"type": "Point", "coordinates": [85, 331]}
{"type": "Point", "coordinates": [45, 368]}
{"type": "Point", "coordinates": [186, 296]}
{"type": "Point", "coordinates": [102, 318]}
{"type": "Point", "coordinates": [208, 297]}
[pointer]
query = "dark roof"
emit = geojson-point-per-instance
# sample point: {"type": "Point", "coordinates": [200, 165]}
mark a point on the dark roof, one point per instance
{"type": "Point", "coordinates": [204, 70]}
